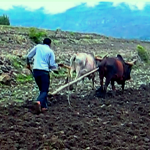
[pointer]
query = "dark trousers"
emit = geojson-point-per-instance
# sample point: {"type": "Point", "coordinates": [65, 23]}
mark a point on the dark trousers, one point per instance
{"type": "Point", "coordinates": [42, 79]}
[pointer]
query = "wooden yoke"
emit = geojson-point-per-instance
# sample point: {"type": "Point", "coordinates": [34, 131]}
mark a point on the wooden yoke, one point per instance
{"type": "Point", "coordinates": [66, 66]}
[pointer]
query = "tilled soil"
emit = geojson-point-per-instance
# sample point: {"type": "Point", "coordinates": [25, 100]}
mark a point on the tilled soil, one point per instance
{"type": "Point", "coordinates": [115, 123]}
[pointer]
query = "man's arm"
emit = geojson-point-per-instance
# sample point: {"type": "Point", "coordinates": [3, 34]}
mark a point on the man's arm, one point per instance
{"type": "Point", "coordinates": [31, 54]}
{"type": "Point", "coordinates": [52, 64]}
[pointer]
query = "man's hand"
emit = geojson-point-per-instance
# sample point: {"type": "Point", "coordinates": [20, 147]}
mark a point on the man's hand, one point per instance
{"type": "Point", "coordinates": [60, 65]}
{"type": "Point", "coordinates": [29, 67]}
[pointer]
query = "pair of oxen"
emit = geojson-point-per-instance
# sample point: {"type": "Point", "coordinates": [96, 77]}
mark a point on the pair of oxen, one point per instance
{"type": "Point", "coordinates": [111, 68]}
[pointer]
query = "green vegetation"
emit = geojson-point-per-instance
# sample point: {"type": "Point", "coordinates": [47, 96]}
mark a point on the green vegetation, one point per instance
{"type": "Point", "coordinates": [72, 33]}
{"type": "Point", "coordinates": [23, 78]}
{"type": "Point", "coordinates": [16, 64]}
{"type": "Point", "coordinates": [61, 73]}
{"type": "Point", "coordinates": [56, 42]}
{"type": "Point", "coordinates": [15, 61]}
{"type": "Point", "coordinates": [143, 54]}
{"type": "Point", "coordinates": [36, 35]}
{"type": "Point", "coordinates": [4, 20]}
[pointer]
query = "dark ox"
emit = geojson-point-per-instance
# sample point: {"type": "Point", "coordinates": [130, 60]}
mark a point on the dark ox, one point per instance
{"type": "Point", "coordinates": [113, 69]}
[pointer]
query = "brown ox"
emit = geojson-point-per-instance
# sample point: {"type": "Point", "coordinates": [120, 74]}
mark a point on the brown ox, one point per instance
{"type": "Point", "coordinates": [113, 69]}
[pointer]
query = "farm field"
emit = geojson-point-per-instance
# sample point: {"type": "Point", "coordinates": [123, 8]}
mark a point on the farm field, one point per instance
{"type": "Point", "coordinates": [90, 123]}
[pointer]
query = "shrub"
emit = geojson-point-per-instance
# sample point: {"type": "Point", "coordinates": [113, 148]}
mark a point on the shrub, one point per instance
{"type": "Point", "coordinates": [36, 35]}
{"type": "Point", "coordinates": [143, 54]}
{"type": "Point", "coordinates": [4, 20]}
{"type": "Point", "coordinates": [72, 33]}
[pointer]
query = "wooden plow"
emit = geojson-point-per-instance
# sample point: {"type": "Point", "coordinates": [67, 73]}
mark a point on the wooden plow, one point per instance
{"type": "Point", "coordinates": [75, 81]}
{"type": "Point", "coordinates": [71, 83]}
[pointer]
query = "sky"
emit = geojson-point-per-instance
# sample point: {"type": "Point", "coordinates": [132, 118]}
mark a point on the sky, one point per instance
{"type": "Point", "coordinates": [59, 6]}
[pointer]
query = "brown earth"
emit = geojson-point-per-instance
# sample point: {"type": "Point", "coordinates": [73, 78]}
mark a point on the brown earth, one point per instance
{"type": "Point", "coordinates": [120, 123]}
{"type": "Point", "coordinates": [90, 123]}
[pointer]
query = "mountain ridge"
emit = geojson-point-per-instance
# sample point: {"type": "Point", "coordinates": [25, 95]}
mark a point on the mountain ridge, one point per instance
{"type": "Point", "coordinates": [117, 21]}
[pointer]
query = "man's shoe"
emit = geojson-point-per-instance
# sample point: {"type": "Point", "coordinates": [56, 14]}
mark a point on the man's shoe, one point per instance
{"type": "Point", "coordinates": [37, 107]}
{"type": "Point", "coordinates": [44, 109]}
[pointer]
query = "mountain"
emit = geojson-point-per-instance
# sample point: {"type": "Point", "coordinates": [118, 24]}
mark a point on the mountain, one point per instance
{"type": "Point", "coordinates": [118, 21]}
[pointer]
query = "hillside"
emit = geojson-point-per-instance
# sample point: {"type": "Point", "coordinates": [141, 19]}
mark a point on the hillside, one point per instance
{"type": "Point", "coordinates": [120, 21]}
{"type": "Point", "coordinates": [15, 43]}
{"type": "Point", "coordinates": [90, 122]}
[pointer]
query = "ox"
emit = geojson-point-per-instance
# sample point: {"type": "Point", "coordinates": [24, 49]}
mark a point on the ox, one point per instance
{"type": "Point", "coordinates": [82, 63]}
{"type": "Point", "coordinates": [113, 69]}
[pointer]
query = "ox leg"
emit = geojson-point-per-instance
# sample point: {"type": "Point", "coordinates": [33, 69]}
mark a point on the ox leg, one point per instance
{"type": "Point", "coordinates": [77, 76]}
{"type": "Point", "coordinates": [113, 87]}
{"type": "Point", "coordinates": [108, 79]}
{"type": "Point", "coordinates": [99, 91]}
{"type": "Point", "coordinates": [79, 73]}
{"type": "Point", "coordinates": [101, 82]}
{"type": "Point", "coordinates": [69, 78]}
{"type": "Point", "coordinates": [93, 83]}
{"type": "Point", "coordinates": [82, 72]}
{"type": "Point", "coordinates": [93, 80]}
{"type": "Point", "coordinates": [76, 89]}
{"type": "Point", "coordinates": [82, 83]}
{"type": "Point", "coordinates": [123, 84]}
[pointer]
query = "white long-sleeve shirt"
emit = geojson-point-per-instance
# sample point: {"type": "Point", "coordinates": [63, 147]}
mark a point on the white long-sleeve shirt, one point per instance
{"type": "Point", "coordinates": [44, 58]}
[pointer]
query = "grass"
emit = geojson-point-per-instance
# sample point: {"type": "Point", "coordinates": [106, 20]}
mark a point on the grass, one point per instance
{"type": "Point", "coordinates": [24, 78]}
{"type": "Point", "coordinates": [23, 29]}
{"type": "Point", "coordinates": [18, 29]}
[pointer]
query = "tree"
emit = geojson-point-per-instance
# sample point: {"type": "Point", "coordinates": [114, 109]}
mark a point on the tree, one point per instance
{"type": "Point", "coordinates": [4, 20]}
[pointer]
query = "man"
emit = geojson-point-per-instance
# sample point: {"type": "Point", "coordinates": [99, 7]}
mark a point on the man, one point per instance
{"type": "Point", "coordinates": [44, 61]}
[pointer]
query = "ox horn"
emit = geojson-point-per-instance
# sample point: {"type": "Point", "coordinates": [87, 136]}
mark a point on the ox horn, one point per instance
{"type": "Point", "coordinates": [105, 56]}
{"type": "Point", "coordinates": [132, 62]}
{"type": "Point", "coordinates": [99, 58]}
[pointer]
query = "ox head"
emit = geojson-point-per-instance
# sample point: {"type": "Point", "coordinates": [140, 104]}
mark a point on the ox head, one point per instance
{"type": "Point", "coordinates": [127, 67]}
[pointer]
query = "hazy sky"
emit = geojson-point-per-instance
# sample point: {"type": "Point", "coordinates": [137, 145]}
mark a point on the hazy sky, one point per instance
{"type": "Point", "coordinates": [58, 6]}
